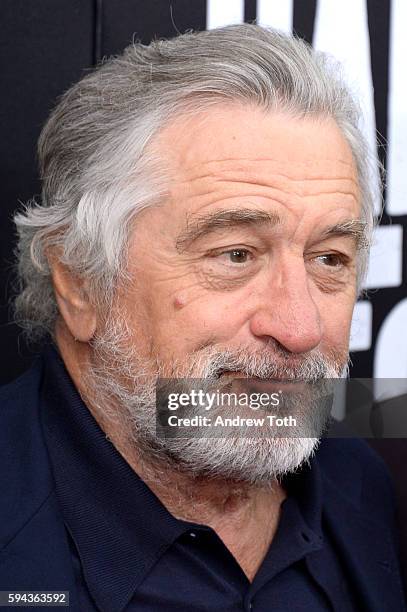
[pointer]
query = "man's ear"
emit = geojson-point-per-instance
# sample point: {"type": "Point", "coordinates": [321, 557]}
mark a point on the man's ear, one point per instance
{"type": "Point", "coordinates": [73, 301]}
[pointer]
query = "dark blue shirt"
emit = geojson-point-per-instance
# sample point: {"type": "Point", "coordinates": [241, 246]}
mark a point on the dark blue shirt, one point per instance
{"type": "Point", "coordinates": [129, 553]}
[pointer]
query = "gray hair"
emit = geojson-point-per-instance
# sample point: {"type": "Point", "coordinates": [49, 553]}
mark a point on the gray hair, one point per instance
{"type": "Point", "coordinates": [98, 171]}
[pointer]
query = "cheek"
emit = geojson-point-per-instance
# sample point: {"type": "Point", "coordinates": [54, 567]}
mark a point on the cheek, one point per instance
{"type": "Point", "coordinates": [209, 319]}
{"type": "Point", "coordinates": [337, 320]}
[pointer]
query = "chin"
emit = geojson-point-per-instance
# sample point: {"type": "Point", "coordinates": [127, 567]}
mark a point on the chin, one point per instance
{"type": "Point", "coordinates": [251, 461]}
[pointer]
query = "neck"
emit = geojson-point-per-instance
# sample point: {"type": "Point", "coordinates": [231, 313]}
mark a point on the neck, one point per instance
{"type": "Point", "coordinates": [205, 500]}
{"type": "Point", "coordinates": [245, 517]}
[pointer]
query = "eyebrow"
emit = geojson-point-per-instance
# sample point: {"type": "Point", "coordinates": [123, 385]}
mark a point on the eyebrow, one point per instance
{"type": "Point", "coordinates": [199, 226]}
{"type": "Point", "coordinates": [353, 228]}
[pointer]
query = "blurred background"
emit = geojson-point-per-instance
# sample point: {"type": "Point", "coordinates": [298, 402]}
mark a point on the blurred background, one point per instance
{"type": "Point", "coordinates": [46, 45]}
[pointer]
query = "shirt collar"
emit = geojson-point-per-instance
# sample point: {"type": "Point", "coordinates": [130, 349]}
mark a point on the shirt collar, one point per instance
{"type": "Point", "coordinates": [120, 528]}
{"type": "Point", "coordinates": [305, 485]}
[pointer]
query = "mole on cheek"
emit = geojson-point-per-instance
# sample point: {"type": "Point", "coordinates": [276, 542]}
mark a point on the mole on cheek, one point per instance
{"type": "Point", "coordinates": [179, 302]}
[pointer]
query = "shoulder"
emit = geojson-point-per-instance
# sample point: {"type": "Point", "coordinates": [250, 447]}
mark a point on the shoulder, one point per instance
{"type": "Point", "coordinates": [357, 473]}
{"type": "Point", "coordinates": [29, 381]}
{"type": "Point", "coordinates": [354, 450]}
{"type": "Point", "coordinates": [342, 455]}
{"type": "Point", "coordinates": [19, 408]}
{"type": "Point", "coordinates": [24, 464]}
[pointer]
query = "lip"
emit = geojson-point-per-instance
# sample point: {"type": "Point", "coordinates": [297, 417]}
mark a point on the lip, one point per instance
{"type": "Point", "coordinates": [231, 374]}
{"type": "Point", "coordinates": [264, 385]}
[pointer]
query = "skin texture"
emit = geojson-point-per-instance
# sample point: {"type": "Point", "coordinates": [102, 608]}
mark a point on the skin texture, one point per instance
{"type": "Point", "coordinates": [284, 279]}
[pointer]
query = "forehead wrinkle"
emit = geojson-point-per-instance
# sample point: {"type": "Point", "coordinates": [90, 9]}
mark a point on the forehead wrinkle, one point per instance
{"type": "Point", "coordinates": [317, 183]}
{"type": "Point", "coordinates": [281, 192]}
{"type": "Point", "coordinates": [206, 199]}
{"type": "Point", "coordinates": [289, 168]}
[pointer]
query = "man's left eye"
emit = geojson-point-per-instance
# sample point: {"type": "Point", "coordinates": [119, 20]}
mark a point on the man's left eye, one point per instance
{"type": "Point", "coordinates": [332, 260]}
{"type": "Point", "coordinates": [236, 256]}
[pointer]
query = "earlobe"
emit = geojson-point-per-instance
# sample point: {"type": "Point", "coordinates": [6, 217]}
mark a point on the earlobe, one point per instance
{"type": "Point", "coordinates": [73, 301]}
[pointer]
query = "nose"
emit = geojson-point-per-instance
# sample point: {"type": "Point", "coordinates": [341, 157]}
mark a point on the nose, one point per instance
{"type": "Point", "coordinates": [287, 312]}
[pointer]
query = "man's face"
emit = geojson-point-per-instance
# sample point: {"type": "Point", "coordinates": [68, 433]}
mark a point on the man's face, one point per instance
{"type": "Point", "coordinates": [248, 267]}
{"type": "Point", "coordinates": [249, 249]}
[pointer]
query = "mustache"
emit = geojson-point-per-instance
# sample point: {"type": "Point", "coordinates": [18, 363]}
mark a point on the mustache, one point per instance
{"type": "Point", "coordinates": [268, 364]}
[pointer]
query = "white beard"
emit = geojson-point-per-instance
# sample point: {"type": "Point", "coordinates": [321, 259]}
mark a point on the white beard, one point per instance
{"type": "Point", "coordinates": [123, 388]}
